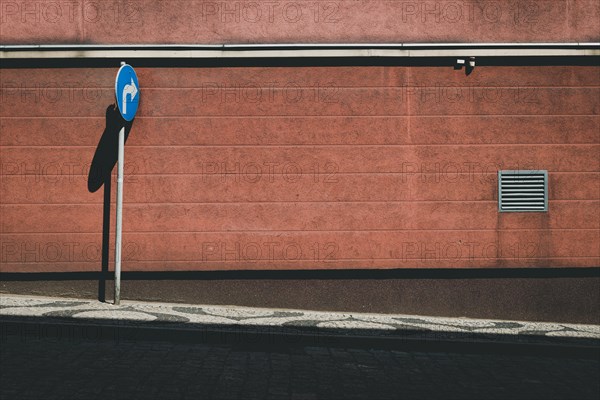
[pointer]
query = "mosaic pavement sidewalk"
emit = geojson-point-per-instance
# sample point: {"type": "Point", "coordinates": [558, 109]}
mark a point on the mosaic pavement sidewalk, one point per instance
{"type": "Point", "coordinates": [205, 317]}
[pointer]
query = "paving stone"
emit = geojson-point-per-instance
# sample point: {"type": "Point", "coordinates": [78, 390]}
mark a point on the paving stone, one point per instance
{"type": "Point", "coordinates": [280, 321]}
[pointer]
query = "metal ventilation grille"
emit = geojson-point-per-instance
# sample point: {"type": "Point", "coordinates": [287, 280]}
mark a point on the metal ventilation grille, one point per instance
{"type": "Point", "coordinates": [522, 191]}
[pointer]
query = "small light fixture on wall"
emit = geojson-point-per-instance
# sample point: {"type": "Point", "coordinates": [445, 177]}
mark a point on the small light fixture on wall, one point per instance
{"type": "Point", "coordinates": [469, 66]}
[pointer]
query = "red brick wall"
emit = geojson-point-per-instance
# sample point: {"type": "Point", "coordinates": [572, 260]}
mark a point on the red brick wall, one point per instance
{"type": "Point", "coordinates": [304, 167]}
{"type": "Point", "coordinates": [260, 21]}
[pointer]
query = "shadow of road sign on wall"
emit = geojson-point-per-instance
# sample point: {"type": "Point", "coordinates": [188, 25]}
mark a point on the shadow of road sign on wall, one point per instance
{"type": "Point", "coordinates": [103, 162]}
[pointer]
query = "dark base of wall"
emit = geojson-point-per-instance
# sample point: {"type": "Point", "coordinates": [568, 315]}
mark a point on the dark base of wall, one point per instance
{"type": "Point", "coordinates": [531, 295]}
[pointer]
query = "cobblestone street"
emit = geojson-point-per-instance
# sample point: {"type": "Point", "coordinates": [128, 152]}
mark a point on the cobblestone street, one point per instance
{"type": "Point", "coordinates": [62, 368]}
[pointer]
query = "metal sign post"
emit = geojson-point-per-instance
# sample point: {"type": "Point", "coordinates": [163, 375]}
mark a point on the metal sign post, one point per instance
{"type": "Point", "coordinates": [127, 93]}
{"type": "Point", "coordinates": [119, 227]}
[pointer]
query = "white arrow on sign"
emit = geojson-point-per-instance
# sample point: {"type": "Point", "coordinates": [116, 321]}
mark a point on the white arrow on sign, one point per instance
{"type": "Point", "coordinates": [129, 90]}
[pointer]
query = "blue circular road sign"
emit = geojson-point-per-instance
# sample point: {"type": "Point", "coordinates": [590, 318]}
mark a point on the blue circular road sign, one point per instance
{"type": "Point", "coordinates": [127, 90]}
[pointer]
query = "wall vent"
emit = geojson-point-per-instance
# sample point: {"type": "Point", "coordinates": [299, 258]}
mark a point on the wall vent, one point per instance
{"type": "Point", "coordinates": [522, 191]}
